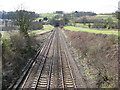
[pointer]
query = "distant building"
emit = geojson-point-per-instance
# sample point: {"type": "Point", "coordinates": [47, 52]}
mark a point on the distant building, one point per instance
{"type": "Point", "coordinates": [119, 5]}
{"type": "Point", "coordinates": [118, 13]}
{"type": "Point", "coordinates": [0, 15]}
{"type": "Point", "coordinates": [59, 12]}
{"type": "Point", "coordinates": [118, 10]}
{"type": "Point", "coordinates": [76, 12]}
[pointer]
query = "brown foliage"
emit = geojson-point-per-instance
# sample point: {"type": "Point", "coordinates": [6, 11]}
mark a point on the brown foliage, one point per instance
{"type": "Point", "coordinates": [100, 50]}
{"type": "Point", "coordinates": [16, 53]}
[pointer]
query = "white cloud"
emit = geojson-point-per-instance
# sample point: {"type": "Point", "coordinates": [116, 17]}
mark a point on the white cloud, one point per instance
{"type": "Point", "coordinates": [98, 6]}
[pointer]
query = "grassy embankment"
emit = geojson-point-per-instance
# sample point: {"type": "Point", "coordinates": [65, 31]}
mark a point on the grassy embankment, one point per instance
{"type": "Point", "coordinates": [46, 28]}
{"type": "Point", "coordinates": [6, 34]}
{"type": "Point", "coordinates": [91, 30]}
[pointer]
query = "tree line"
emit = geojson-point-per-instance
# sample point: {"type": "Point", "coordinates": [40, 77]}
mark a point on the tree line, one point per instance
{"type": "Point", "coordinates": [23, 19]}
{"type": "Point", "coordinates": [13, 14]}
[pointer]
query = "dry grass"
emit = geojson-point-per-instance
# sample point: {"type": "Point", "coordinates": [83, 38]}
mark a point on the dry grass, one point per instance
{"type": "Point", "coordinates": [16, 53]}
{"type": "Point", "coordinates": [99, 53]}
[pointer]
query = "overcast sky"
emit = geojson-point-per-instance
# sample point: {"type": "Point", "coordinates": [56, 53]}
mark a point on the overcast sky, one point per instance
{"type": "Point", "coordinates": [45, 6]}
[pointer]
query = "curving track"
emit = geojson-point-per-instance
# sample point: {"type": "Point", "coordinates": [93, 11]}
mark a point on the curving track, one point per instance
{"type": "Point", "coordinates": [53, 68]}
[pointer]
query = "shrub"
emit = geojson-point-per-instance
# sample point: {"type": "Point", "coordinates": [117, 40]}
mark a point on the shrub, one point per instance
{"type": "Point", "coordinates": [35, 26]}
{"type": "Point", "coordinates": [100, 53]}
{"type": "Point", "coordinates": [16, 53]}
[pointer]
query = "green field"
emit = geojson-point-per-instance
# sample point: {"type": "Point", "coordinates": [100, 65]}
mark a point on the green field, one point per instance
{"type": "Point", "coordinates": [107, 16]}
{"type": "Point", "coordinates": [48, 15]}
{"type": "Point", "coordinates": [39, 18]}
{"type": "Point", "coordinates": [91, 30]}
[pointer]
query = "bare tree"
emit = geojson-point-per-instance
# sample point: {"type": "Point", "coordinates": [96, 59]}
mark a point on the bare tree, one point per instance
{"type": "Point", "coordinates": [24, 20]}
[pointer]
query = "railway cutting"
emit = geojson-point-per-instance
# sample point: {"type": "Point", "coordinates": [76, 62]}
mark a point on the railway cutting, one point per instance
{"type": "Point", "coordinates": [53, 68]}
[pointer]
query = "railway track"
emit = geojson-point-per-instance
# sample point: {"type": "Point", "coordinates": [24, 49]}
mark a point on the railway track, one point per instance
{"type": "Point", "coordinates": [52, 68]}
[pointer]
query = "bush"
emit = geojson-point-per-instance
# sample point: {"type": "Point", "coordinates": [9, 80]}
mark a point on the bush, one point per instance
{"type": "Point", "coordinates": [16, 54]}
{"type": "Point", "coordinates": [100, 53]}
{"type": "Point", "coordinates": [35, 26]}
